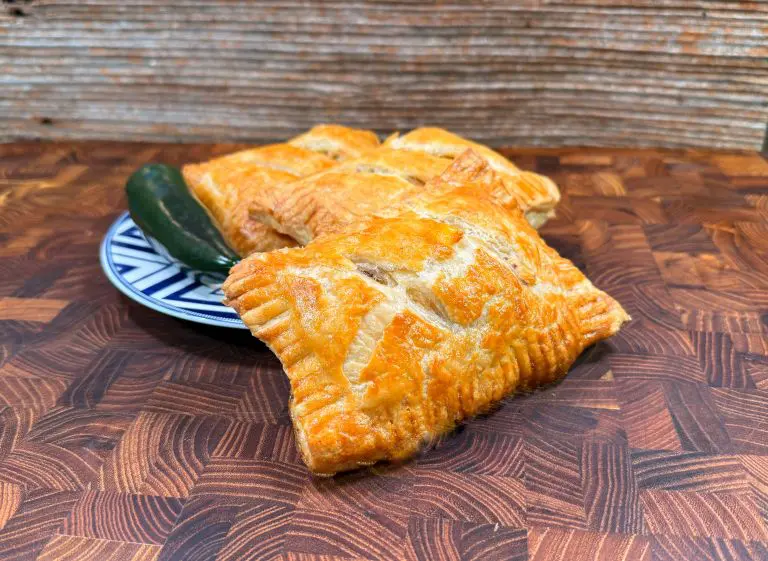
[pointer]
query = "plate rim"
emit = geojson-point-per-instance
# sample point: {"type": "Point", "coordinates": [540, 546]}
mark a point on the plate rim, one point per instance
{"type": "Point", "coordinates": [105, 258]}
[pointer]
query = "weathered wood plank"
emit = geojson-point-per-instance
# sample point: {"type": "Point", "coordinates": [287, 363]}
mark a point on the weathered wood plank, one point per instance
{"type": "Point", "coordinates": [586, 72]}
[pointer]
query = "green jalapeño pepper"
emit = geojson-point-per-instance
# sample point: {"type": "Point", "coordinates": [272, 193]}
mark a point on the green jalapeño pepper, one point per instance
{"type": "Point", "coordinates": [162, 206]}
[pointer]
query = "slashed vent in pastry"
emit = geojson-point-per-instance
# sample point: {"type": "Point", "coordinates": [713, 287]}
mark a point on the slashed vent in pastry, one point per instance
{"type": "Point", "coordinates": [326, 201]}
{"type": "Point", "coordinates": [227, 185]}
{"type": "Point", "coordinates": [538, 195]}
{"type": "Point", "coordinates": [397, 328]}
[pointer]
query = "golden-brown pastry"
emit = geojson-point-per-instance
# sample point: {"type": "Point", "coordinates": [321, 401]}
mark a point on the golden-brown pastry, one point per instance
{"type": "Point", "coordinates": [395, 329]}
{"type": "Point", "coordinates": [226, 186]}
{"type": "Point", "coordinates": [324, 202]}
{"type": "Point", "coordinates": [538, 194]}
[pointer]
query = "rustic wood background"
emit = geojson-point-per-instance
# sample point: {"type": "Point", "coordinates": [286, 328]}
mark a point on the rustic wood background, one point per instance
{"type": "Point", "coordinates": [129, 435]}
{"type": "Point", "coordinates": [581, 72]}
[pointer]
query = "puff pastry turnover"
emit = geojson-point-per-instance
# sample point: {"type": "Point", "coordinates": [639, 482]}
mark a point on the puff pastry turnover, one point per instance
{"type": "Point", "coordinates": [396, 329]}
{"type": "Point", "coordinates": [538, 195]}
{"type": "Point", "coordinates": [227, 185]}
{"type": "Point", "coordinates": [402, 168]}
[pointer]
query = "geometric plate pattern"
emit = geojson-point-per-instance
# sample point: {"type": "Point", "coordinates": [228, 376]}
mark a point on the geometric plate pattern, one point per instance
{"type": "Point", "coordinates": [142, 270]}
{"type": "Point", "coordinates": [131, 435]}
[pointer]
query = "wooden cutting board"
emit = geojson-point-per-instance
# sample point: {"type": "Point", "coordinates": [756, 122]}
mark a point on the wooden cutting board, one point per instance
{"type": "Point", "coordinates": [126, 434]}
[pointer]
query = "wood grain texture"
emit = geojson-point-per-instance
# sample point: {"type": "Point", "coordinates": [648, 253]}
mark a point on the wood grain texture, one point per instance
{"type": "Point", "coordinates": [129, 435]}
{"type": "Point", "coordinates": [586, 72]}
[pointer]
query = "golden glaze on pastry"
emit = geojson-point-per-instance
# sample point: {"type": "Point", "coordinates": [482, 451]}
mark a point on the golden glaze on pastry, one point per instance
{"type": "Point", "coordinates": [392, 331]}
{"type": "Point", "coordinates": [324, 202]}
{"type": "Point", "coordinates": [226, 186]}
{"type": "Point", "coordinates": [538, 194]}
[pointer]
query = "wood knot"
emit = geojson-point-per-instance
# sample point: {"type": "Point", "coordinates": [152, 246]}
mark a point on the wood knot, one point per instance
{"type": "Point", "coordinates": [15, 10]}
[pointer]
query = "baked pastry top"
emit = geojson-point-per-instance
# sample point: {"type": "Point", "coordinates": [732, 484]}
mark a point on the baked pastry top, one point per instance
{"type": "Point", "coordinates": [324, 202]}
{"type": "Point", "coordinates": [397, 328]}
{"type": "Point", "coordinates": [336, 142]}
{"type": "Point", "coordinates": [227, 185]}
{"type": "Point", "coordinates": [352, 190]}
{"type": "Point", "coordinates": [538, 194]}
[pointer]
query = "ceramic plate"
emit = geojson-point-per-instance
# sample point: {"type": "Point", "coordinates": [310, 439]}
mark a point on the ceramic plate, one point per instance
{"type": "Point", "coordinates": [142, 270]}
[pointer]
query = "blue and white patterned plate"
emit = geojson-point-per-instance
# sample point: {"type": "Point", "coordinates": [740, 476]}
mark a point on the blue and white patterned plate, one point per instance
{"type": "Point", "coordinates": [142, 270]}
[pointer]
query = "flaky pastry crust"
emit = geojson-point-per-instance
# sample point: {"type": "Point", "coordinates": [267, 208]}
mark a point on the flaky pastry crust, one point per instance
{"type": "Point", "coordinates": [403, 167]}
{"type": "Point", "coordinates": [397, 328]}
{"type": "Point", "coordinates": [538, 195]}
{"type": "Point", "coordinates": [226, 186]}
{"type": "Point", "coordinates": [324, 202]}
